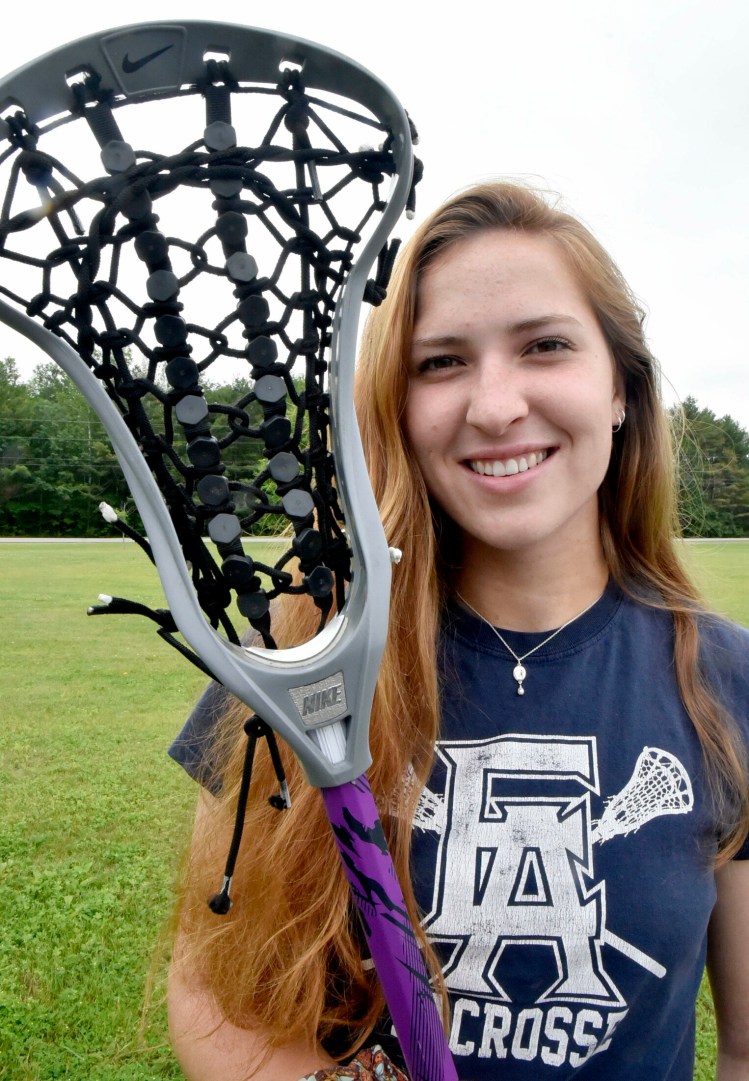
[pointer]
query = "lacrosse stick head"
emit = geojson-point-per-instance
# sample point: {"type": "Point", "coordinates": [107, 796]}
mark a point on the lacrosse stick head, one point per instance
{"type": "Point", "coordinates": [189, 216]}
{"type": "Point", "coordinates": [659, 785]}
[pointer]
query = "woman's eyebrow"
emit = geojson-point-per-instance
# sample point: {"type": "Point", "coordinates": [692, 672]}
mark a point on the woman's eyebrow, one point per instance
{"type": "Point", "coordinates": [520, 327]}
{"type": "Point", "coordinates": [440, 340]}
{"type": "Point", "coordinates": [541, 321]}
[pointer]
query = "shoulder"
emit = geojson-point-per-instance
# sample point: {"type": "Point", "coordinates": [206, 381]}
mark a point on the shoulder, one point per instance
{"type": "Point", "coordinates": [723, 645]}
{"type": "Point", "coordinates": [728, 639]}
{"type": "Point", "coordinates": [724, 654]}
{"type": "Point", "coordinates": [193, 747]}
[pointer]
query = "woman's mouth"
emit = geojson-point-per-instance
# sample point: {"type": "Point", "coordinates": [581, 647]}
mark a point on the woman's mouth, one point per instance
{"type": "Point", "coordinates": [507, 467]}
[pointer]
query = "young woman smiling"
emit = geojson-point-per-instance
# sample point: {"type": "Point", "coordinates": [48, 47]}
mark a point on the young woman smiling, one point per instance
{"type": "Point", "coordinates": [560, 729]}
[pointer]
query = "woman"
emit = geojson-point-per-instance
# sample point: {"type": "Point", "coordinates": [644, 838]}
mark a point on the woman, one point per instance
{"type": "Point", "coordinates": [588, 794]}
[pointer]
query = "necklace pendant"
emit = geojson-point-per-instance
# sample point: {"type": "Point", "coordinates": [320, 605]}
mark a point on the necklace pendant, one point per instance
{"type": "Point", "coordinates": [519, 673]}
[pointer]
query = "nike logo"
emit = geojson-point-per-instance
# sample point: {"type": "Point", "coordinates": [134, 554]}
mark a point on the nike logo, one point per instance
{"type": "Point", "coordinates": [129, 66]}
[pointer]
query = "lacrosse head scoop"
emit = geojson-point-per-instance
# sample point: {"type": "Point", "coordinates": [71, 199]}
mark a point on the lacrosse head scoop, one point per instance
{"type": "Point", "coordinates": [190, 215]}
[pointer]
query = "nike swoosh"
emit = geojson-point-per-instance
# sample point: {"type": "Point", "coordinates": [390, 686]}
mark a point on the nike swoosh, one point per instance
{"type": "Point", "coordinates": [129, 66]}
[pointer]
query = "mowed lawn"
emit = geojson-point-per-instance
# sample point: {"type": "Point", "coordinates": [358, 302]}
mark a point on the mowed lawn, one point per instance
{"type": "Point", "coordinates": [93, 816]}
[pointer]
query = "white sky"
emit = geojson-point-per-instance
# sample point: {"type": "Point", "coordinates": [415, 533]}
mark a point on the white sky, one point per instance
{"type": "Point", "coordinates": [638, 113]}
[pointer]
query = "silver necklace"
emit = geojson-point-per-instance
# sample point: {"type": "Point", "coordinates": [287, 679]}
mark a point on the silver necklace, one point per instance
{"type": "Point", "coordinates": [519, 671]}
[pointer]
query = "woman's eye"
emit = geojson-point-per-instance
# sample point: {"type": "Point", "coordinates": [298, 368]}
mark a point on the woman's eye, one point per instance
{"type": "Point", "coordinates": [437, 364]}
{"type": "Point", "coordinates": [549, 345]}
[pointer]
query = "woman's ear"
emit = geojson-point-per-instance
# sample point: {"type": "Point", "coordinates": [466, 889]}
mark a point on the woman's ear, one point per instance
{"type": "Point", "coordinates": [618, 401]}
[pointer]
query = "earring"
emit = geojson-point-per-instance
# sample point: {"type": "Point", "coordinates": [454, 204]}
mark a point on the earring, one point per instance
{"type": "Point", "coordinates": [620, 418]}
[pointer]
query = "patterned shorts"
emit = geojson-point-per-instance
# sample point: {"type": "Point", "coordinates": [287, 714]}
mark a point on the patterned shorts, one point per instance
{"type": "Point", "coordinates": [369, 1065]}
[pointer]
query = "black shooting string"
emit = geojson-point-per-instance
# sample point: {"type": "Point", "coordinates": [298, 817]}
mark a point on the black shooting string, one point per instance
{"type": "Point", "coordinates": [162, 616]}
{"type": "Point", "coordinates": [255, 729]}
{"type": "Point", "coordinates": [129, 533]}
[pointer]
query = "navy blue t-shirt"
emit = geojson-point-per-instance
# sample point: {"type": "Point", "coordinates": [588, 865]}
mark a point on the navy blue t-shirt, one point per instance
{"type": "Point", "coordinates": [562, 848]}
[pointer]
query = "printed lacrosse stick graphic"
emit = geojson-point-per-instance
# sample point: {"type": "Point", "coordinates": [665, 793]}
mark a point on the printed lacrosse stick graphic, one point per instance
{"type": "Point", "coordinates": [186, 200]}
{"type": "Point", "coordinates": [659, 785]}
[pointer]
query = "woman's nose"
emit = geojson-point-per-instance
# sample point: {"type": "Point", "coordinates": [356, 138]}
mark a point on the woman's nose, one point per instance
{"type": "Point", "coordinates": [498, 398]}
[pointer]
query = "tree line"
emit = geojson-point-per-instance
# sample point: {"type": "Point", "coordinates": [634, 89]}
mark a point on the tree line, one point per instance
{"type": "Point", "coordinates": [56, 463]}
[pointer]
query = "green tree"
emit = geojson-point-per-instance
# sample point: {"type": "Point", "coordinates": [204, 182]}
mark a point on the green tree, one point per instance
{"type": "Point", "coordinates": [713, 474]}
{"type": "Point", "coordinates": [56, 464]}
{"type": "Point", "coordinates": [15, 413]}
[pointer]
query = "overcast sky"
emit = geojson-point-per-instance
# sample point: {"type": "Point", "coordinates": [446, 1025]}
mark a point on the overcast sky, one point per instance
{"type": "Point", "coordinates": [637, 112]}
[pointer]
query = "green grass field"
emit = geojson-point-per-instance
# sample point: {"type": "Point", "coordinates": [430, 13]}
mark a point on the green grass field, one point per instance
{"type": "Point", "coordinates": [93, 815]}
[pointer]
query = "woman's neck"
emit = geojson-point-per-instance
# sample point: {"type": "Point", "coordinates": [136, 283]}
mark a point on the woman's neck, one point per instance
{"type": "Point", "coordinates": [522, 594]}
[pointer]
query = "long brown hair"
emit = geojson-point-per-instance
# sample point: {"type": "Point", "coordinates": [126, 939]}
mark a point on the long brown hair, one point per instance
{"type": "Point", "coordinates": [288, 957]}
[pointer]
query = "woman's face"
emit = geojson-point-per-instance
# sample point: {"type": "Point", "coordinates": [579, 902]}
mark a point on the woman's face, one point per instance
{"type": "Point", "coordinates": [512, 397]}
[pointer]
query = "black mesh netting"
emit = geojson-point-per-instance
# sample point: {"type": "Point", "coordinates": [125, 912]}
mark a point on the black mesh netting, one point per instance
{"type": "Point", "coordinates": [200, 284]}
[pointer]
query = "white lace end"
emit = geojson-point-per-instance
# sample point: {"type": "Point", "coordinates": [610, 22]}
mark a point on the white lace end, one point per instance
{"type": "Point", "coordinates": [109, 514]}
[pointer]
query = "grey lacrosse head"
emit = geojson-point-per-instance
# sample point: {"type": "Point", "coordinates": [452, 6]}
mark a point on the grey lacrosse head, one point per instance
{"type": "Point", "coordinates": [184, 200]}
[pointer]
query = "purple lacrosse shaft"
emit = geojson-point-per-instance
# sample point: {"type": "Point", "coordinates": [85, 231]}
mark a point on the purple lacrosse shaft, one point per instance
{"type": "Point", "coordinates": [395, 952]}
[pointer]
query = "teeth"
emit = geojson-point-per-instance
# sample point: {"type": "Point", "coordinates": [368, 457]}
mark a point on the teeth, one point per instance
{"type": "Point", "coordinates": [509, 467]}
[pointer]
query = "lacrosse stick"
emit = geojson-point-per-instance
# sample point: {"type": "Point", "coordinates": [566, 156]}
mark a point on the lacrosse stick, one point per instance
{"type": "Point", "coordinates": [146, 274]}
